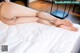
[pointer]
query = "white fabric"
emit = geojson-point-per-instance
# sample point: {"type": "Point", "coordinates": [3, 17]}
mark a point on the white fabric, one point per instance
{"type": "Point", "coordinates": [38, 38]}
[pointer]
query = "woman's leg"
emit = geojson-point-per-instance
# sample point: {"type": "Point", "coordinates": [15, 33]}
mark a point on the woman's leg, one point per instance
{"type": "Point", "coordinates": [71, 28]}
{"type": "Point", "coordinates": [43, 21]}
{"type": "Point", "coordinates": [13, 10]}
{"type": "Point", "coordinates": [32, 19]}
{"type": "Point", "coordinates": [46, 16]}
{"type": "Point", "coordinates": [10, 10]}
{"type": "Point", "coordinates": [22, 20]}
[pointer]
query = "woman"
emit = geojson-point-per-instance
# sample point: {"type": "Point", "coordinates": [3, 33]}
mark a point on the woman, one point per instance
{"type": "Point", "coordinates": [17, 14]}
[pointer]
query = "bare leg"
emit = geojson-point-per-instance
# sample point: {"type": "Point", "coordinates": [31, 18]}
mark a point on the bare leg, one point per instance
{"type": "Point", "coordinates": [19, 20]}
{"type": "Point", "coordinates": [24, 17]}
{"type": "Point", "coordinates": [10, 10]}
{"type": "Point", "coordinates": [13, 10]}
{"type": "Point", "coordinates": [71, 28]}
{"type": "Point", "coordinates": [43, 21]}
{"type": "Point", "coordinates": [46, 16]}
{"type": "Point", "coordinates": [33, 19]}
{"type": "Point", "coordinates": [22, 20]}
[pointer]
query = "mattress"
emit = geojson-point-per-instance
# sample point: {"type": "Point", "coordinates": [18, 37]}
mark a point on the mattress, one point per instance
{"type": "Point", "coordinates": [38, 38]}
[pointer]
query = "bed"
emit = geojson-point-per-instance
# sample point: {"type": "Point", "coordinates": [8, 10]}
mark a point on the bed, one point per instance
{"type": "Point", "coordinates": [38, 38]}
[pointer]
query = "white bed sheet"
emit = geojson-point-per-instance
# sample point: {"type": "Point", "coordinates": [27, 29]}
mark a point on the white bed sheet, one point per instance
{"type": "Point", "coordinates": [38, 38]}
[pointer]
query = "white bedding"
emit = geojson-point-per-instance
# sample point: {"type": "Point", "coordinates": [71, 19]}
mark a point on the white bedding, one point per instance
{"type": "Point", "coordinates": [38, 38]}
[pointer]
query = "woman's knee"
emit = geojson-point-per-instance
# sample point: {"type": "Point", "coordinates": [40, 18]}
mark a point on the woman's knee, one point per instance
{"type": "Point", "coordinates": [44, 15]}
{"type": "Point", "coordinates": [39, 14]}
{"type": "Point", "coordinates": [44, 21]}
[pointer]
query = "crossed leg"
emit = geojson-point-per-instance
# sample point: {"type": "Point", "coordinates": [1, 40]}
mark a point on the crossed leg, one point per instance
{"type": "Point", "coordinates": [15, 10]}
{"type": "Point", "coordinates": [23, 14]}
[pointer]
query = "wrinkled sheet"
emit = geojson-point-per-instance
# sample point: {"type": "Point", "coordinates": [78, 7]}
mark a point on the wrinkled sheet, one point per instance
{"type": "Point", "coordinates": [38, 38]}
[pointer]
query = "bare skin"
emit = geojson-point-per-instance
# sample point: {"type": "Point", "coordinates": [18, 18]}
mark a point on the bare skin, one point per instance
{"type": "Point", "coordinates": [71, 28]}
{"type": "Point", "coordinates": [17, 14]}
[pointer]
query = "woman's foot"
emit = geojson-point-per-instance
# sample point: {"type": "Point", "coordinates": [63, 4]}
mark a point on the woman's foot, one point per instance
{"type": "Point", "coordinates": [71, 28]}
{"type": "Point", "coordinates": [59, 22]}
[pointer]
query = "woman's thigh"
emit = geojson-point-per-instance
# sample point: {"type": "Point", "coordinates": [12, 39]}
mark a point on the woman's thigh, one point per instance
{"type": "Point", "coordinates": [10, 9]}
{"type": "Point", "coordinates": [26, 20]}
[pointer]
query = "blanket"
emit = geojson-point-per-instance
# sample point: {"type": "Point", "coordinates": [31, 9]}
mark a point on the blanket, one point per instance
{"type": "Point", "coordinates": [38, 38]}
